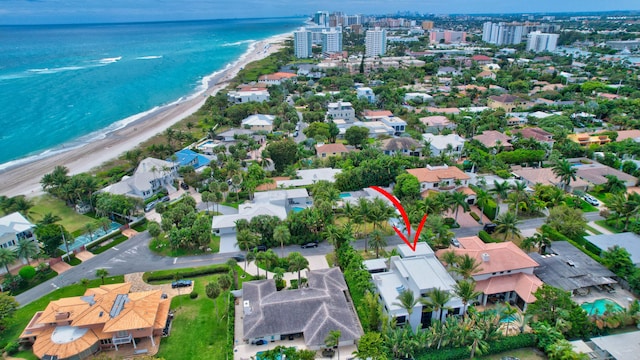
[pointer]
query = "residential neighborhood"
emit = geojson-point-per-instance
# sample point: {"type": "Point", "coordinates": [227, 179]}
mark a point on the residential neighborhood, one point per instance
{"type": "Point", "coordinates": [433, 187]}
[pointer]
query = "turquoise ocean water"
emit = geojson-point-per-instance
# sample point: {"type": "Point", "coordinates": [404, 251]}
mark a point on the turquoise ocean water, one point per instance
{"type": "Point", "coordinates": [63, 85]}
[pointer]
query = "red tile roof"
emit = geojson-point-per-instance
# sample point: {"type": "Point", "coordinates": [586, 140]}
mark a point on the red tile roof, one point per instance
{"type": "Point", "coordinates": [523, 284]}
{"type": "Point", "coordinates": [331, 149]}
{"type": "Point", "coordinates": [480, 58]}
{"type": "Point", "coordinates": [437, 175]}
{"type": "Point", "coordinates": [277, 76]}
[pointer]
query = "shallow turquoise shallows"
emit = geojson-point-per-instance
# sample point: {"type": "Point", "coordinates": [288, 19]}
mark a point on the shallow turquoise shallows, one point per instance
{"type": "Point", "coordinates": [64, 85]}
{"type": "Point", "coordinates": [599, 306]}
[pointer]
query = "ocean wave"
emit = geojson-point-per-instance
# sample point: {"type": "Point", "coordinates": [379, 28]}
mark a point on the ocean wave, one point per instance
{"type": "Point", "coordinates": [13, 76]}
{"type": "Point", "coordinates": [238, 43]}
{"type": "Point", "coordinates": [110, 60]}
{"type": "Point", "coordinates": [149, 57]}
{"type": "Point", "coordinates": [56, 70]}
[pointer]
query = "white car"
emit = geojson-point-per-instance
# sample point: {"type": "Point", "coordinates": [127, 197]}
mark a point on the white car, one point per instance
{"type": "Point", "coordinates": [591, 200]}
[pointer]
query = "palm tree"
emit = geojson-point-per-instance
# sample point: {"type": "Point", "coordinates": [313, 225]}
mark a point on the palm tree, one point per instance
{"type": "Point", "coordinates": [246, 239]}
{"type": "Point", "coordinates": [614, 185]}
{"type": "Point", "coordinates": [482, 200]}
{"type": "Point", "coordinates": [508, 313]}
{"type": "Point", "coordinates": [27, 249]}
{"type": "Point", "coordinates": [333, 340]}
{"type": "Point", "coordinates": [281, 234]}
{"type": "Point", "coordinates": [466, 291]}
{"type": "Point", "coordinates": [7, 257]}
{"type": "Point", "coordinates": [378, 241]}
{"type": "Point", "coordinates": [251, 256]}
{"type": "Point", "coordinates": [407, 301]}
{"type": "Point", "coordinates": [507, 224]}
{"type": "Point", "coordinates": [270, 260]}
{"type": "Point", "coordinates": [261, 260]}
{"type": "Point", "coordinates": [459, 199]}
{"type": "Point", "coordinates": [500, 189]}
{"type": "Point", "coordinates": [49, 218]}
{"type": "Point", "coordinates": [537, 240]}
{"type": "Point", "coordinates": [565, 171]}
{"type": "Point", "coordinates": [450, 258]}
{"type": "Point", "coordinates": [437, 300]}
{"type": "Point", "coordinates": [102, 273]}
{"type": "Point", "coordinates": [297, 262]}
{"type": "Point", "coordinates": [519, 194]}
{"type": "Point", "coordinates": [467, 266]}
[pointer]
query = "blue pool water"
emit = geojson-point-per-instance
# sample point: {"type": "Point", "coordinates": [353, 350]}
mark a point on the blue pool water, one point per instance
{"type": "Point", "coordinates": [297, 209]}
{"type": "Point", "coordinates": [510, 318]}
{"type": "Point", "coordinates": [85, 238]}
{"type": "Point", "coordinates": [345, 195]}
{"type": "Point", "coordinates": [599, 306]}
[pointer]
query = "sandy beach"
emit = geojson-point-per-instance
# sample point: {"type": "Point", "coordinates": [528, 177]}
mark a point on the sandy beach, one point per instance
{"type": "Point", "coordinates": [25, 179]}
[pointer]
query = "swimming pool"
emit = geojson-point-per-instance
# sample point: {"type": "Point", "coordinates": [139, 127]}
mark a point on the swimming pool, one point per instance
{"type": "Point", "coordinates": [508, 319]}
{"type": "Point", "coordinates": [84, 239]}
{"type": "Point", "coordinates": [345, 195]}
{"type": "Point", "coordinates": [599, 306]}
{"type": "Point", "coordinates": [297, 209]}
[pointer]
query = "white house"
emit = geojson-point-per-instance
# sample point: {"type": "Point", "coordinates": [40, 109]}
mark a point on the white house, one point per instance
{"type": "Point", "coordinates": [259, 122]}
{"type": "Point", "coordinates": [419, 272]}
{"type": "Point", "coordinates": [451, 144]}
{"type": "Point", "coordinates": [341, 110]}
{"type": "Point", "coordinates": [366, 93]}
{"type": "Point", "coordinates": [397, 124]}
{"type": "Point", "coordinates": [150, 176]}
{"type": "Point", "coordinates": [246, 95]}
{"type": "Point", "coordinates": [273, 203]}
{"type": "Point", "coordinates": [13, 228]}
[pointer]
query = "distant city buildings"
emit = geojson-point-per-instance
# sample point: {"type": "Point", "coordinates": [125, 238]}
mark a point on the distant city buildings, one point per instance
{"type": "Point", "coordinates": [427, 25]}
{"type": "Point", "coordinates": [538, 41]}
{"type": "Point", "coordinates": [375, 42]}
{"type": "Point", "coordinates": [502, 33]}
{"type": "Point", "coordinates": [302, 43]}
{"type": "Point", "coordinates": [321, 18]}
{"type": "Point", "coordinates": [332, 41]}
{"type": "Point", "coordinates": [447, 36]}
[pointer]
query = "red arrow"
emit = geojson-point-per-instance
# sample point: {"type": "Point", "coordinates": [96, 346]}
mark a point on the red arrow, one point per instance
{"type": "Point", "coordinates": [407, 223]}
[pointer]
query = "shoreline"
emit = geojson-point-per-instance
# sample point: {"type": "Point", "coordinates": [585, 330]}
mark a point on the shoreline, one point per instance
{"type": "Point", "coordinates": [23, 178]}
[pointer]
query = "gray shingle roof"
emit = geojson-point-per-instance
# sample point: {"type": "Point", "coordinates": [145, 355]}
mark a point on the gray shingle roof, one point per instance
{"type": "Point", "coordinates": [313, 311]}
{"type": "Point", "coordinates": [570, 268]}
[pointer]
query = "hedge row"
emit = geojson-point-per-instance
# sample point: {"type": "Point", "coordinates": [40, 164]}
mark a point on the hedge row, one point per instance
{"type": "Point", "coordinates": [475, 216]}
{"type": "Point", "coordinates": [491, 209]}
{"type": "Point", "coordinates": [184, 273]}
{"type": "Point", "coordinates": [486, 238]}
{"type": "Point", "coordinates": [231, 312]}
{"type": "Point", "coordinates": [495, 347]}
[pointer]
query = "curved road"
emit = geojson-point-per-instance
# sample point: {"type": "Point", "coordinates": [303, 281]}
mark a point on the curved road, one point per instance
{"type": "Point", "coordinates": [134, 255]}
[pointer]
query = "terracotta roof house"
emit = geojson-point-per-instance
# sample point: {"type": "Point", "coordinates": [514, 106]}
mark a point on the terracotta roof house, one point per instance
{"type": "Point", "coordinates": [481, 59]}
{"type": "Point", "coordinates": [492, 139]}
{"type": "Point", "coordinates": [276, 78]}
{"type": "Point", "coordinates": [506, 272]}
{"type": "Point", "coordinates": [107, 317]}
{"type": "Point", "coordinates": [376, 114]}
{"type": "Point", "coordinates": [595, 173]}
{"type": "Point", "coordinates": [436, 123]}
{"type": "Point", "coordinates": [507, 102]}
{"type": "Point", "coordinates": [437, 110]}
{"type": "Point", "coordinates": [440, 178]}
{"type": "Point", "coordinates": [486, 74]}
{"type": "Point", "coordinates": [585, 139]}
{"type": "Point", "coordinates": [401, 145]}
{"type": "Point", "coordinates": [312, 311]}
{"type": "Point", "coordinates": [628, 134]}
{"type": "Point", "coordinates": [246, 94]}
{"type": "Point", "coordinates": [545, 176]}
{"type": "Point", "coordinates": [538, 134]}
{"type": "Point", "coordinates": [327, 150]}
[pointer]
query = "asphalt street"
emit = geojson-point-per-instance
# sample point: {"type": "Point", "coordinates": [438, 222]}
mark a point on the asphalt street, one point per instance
{"type": "Point", "coordinates": [134, 255]}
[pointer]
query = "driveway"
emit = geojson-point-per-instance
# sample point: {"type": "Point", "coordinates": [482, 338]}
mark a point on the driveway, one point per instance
{"type": "Point", "coordinates": [228, 244]}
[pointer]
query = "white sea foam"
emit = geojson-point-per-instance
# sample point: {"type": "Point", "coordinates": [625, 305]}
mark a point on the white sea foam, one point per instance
{"type": "Point", "coordinates": [149, 57]}
{"type": "Point", "coordinates": [110, 60]}
{"type": "Point", "coordinates": [56, 70]}
{"type": "Point", "coordinates": [238, 43]}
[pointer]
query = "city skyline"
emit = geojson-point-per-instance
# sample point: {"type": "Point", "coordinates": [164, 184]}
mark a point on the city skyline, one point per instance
{"type": "Point", "coordinates": [16, 12]}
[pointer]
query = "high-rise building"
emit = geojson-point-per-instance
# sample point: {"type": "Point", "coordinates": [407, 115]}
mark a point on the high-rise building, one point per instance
{"type": "Point", "coordinates": [538, 41]}
{"type": "Point", "coordinates": [427, 25]}
{"type": "Point", "coordinates": [302, 43]}
{"type": "Point", "coordinates": [375, 42]}
{"type": "Point", "coordinates": [321, 18]}
{"type": "Point", "coordinates": [332, 40]}
{"type": "Point", "coordinates": [502, 33]}
{"type": "Point", "coordinates": [447, 36]}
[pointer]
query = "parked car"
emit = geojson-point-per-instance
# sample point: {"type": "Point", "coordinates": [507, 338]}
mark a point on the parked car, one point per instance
{"type": "Point", "coordinates": [262, 342]}
{"type": "Point", "coordinates": [259, 248]}
{"type": "Point", "coordinates": [591, 200]}
{"type": "Point", "coordinates": [150, 206]}
{"type": "Point", "coordinates": [181, 283]}
{"type": "Point", "coordinates": [309, 245]}
{"type": "Point", "coordinates": [165, 199]}
{"type": "Point", "coordinates": [238, 257]}
{"type": "Point", "coordinates": [295, 134]}
{"type": "Point", "coordinates": [489, 228]}
{"type": "Point", "coordinates": [184, 186]}
{"type": "Point", "coordinates": [455, 242]}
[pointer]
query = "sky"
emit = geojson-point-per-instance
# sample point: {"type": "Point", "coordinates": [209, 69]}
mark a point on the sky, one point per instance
{"type": "Point", "coordinates": [16, 12]}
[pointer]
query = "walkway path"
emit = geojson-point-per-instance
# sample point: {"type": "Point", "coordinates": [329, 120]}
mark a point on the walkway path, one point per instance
{"type": "Point", "coordinates": [316, 262]}
{"type": "Point", "coordinates": [598, 227]}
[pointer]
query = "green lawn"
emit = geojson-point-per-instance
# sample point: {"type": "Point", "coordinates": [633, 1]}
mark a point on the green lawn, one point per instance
{"type": "Point", "coordinates": [199, 316]}
{"type": "Point", "coordinates": [162, 247]}
{"type": "Point", "coordinates": [24, 314]}
{"type": "Point", "coordinates": [71, 220]}
{"type": "Point", "coordinates": [604, 224]}
{"type": "Point", "coordinates": [584, 206]}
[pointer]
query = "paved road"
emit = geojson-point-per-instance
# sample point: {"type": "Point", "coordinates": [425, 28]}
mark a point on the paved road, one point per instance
{"type": "Point", "coordinates": [134, 255]}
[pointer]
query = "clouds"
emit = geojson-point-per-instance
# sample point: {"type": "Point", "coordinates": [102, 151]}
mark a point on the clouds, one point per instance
{"type": "Point", "coordinates": [78, 11]}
